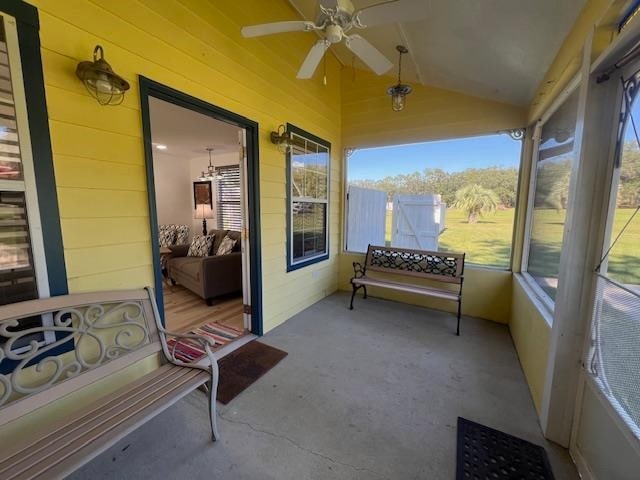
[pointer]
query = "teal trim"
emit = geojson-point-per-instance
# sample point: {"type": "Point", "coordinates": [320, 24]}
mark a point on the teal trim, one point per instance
{"type": "Point", "coordinates": [150, 88]}
{"type": "Point", "coordinates": [29, 44]}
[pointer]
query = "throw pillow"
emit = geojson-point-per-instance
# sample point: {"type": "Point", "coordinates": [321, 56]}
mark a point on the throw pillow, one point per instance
{"type": "Point", "coordinates": [226, 246]}
{"type": "Point", "coordinates": [182, 234]}
{"type": "Point", "coordinates": [200, 246]}
{"type": "Point", "coordinates": [167, 237]}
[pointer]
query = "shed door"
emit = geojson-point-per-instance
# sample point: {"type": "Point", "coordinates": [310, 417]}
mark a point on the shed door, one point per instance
{"type": "Point", "coordinates": [416, 221]}
{"type": "Point", "coordinates": [366, 218]}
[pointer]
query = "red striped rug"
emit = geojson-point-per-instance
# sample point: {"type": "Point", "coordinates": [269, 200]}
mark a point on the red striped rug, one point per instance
{"type": "Point", "coordinates": [188, 350]}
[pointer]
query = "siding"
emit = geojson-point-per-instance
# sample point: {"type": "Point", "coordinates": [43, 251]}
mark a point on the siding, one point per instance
{"type": "Point", "coordinates": [430, 113]}
{"type": "Point", "coordinates": [194, 47]}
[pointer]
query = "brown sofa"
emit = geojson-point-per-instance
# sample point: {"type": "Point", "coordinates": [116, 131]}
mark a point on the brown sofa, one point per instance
{"type": "Point", "coordinates": [211, 276]}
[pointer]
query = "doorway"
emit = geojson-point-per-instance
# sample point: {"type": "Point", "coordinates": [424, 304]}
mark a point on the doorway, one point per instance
{"type": "Point", "coordinates": [202, 178]}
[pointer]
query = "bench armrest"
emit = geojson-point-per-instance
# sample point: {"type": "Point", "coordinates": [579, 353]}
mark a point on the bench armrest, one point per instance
{"type": "Point", "coordinates": [358, 270]}
{"type": "Point", "coordinates": [170, 352]}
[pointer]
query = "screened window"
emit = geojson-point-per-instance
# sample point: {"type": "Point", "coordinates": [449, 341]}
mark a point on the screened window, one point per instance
{"type": "Point", "coordinates": [614, 359]}
{"type": "Point", "coordinates": [228, 200]}
{"type": "Point", "coordinates": [455, 195]}
{"type": "Point", "coordinates": [551, 174]}
{"type": "Point", "coordinates": [308, 199]}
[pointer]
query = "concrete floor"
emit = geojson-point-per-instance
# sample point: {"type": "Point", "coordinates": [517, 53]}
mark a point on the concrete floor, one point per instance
{"type": "Point", "coordinates": [372, 393]}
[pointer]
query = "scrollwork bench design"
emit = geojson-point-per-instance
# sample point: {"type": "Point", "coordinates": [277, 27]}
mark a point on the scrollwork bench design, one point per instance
{"type": "Point", "coordinates": [84, 338]}
{"type": "Point", "coordinates": [442, 267]}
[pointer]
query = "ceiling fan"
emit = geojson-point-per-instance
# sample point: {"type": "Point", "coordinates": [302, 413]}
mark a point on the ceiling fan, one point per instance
{"type": "Point", "coordinates": [333, 24]}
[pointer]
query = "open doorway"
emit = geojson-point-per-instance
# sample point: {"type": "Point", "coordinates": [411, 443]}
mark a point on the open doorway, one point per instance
{"type": "Point", "coordinates": [202, 180]}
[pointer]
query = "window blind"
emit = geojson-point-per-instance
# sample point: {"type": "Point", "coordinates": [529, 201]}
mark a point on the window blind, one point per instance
{"type": "Point", "coordinates": [228, 197]}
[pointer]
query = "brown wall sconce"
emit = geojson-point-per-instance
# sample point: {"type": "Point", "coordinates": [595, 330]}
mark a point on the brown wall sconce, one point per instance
{"type": "Point", "coordinates": [281, 138]}
{"type": "Point", "coordinates": [106, 86]}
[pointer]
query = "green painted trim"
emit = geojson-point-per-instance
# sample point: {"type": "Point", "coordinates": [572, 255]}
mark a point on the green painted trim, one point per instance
{"type": "Point", "coordinates": [22, 12]}
{"type": "Point", "coordinates": [29, 45]}
{"type": "Point", "coordinates": [303, 133]}
{"type": "Point", "coordinates": [150, 88]}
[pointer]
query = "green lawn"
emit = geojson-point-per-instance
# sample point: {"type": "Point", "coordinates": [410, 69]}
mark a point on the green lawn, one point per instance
{"type": "Point", "coordinates": [488, 242]}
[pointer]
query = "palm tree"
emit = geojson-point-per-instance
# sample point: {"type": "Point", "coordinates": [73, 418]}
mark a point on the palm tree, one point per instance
{"type": "Point", "coordinates": [476, 201]}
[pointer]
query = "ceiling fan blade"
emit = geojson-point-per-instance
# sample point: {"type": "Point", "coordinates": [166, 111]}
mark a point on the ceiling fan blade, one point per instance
{"type": "Point", "coordinates": [313, 59]}
{"type": "Point", "coordinates": [276, 27]}
{"type": "Point", "coordinates": [368, 54]}
{"type": "Point", "coordinates": [393, 11]}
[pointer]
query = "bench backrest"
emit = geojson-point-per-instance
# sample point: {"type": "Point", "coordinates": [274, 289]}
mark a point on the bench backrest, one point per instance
{"type": "Point", "coordinates": [77, 339]}
{"type": "Point", "coordinates": [440, 266]}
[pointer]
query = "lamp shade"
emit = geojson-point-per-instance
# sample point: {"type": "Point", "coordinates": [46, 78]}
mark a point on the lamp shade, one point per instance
{"type": "Point", "coordinates": [203, 211]}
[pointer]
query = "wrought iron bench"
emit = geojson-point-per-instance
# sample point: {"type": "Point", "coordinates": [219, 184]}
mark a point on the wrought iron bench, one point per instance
{"type": "Point", "coordinates": [81, 339]}
{"type": "Point", "coordinates": [442, 267]}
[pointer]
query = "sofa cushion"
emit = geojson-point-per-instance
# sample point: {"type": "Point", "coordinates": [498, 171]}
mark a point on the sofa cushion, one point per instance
{"type": "Point", "coordinates": [189, 266]}
{"type": "Point", "coordinates": [219, 236]}
{"type": "Point", "coordinates": [200, 246]}
{"type": "Point", "coordinates": [226, 246]}
{"type": "Point", "coordinates": [166, 236]}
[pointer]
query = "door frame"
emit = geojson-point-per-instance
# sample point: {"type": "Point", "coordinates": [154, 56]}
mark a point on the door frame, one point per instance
{"type": "Point", "coordinates": [151, 88]}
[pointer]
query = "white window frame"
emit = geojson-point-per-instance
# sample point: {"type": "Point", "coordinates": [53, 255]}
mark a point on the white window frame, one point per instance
{"type": "Point", "coordinates": [28, 184]}
{"type": "Point", "coordinates": [293, 264]}
{"type": "Point", "coordinates": [542, 299]}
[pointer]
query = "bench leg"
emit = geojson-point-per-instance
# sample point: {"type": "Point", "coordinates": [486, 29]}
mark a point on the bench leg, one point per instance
{"type": "Point", "coordinates": [459, 311]}
{"type": "Point", "coordinates": [365, 291]}
{"type": "Point", "coordinates": [213, 389]}
{"type": "Point", "coordinates": [355, 289]}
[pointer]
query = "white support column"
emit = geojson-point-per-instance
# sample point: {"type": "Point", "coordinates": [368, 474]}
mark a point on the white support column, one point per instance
{"type": "Point", "coordinates": [583, 238]}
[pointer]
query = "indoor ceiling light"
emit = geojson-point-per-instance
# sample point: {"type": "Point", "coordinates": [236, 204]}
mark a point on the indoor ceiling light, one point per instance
{"type": "Point", "coordinates": [399, 91]}
{"type": "Point", "coordinates": [101, 81]}
{"type": "Point", "coordinates": [211, 173]}
{"type": "Point", "coordinates": [281, 138]}
{"type": "Point", "coordinates": [161, 146]}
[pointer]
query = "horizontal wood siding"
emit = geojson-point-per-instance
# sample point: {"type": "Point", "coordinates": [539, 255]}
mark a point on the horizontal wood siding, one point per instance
{"type": "Point", "coordinates": [194, 47]}
{"type": "Point", "coordinates": [430, 113]}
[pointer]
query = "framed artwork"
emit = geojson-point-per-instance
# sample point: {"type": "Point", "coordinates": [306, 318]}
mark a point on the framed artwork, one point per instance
{"type": "Point", "coordinates": [202, 194]}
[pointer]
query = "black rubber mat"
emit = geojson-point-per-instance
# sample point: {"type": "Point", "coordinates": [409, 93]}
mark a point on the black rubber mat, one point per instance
{"type": "Point", "coordinates": [485, 453]}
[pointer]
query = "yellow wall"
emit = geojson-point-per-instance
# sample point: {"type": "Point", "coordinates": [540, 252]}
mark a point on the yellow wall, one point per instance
{"type": "Point", "coordinates": [531, 334]}
{"type": "Point", "coordinates": [430, 113]}
{"type": "Point", "coordinates": [194, 47]}
{"type": "Point", "coordinates": [486, 291]}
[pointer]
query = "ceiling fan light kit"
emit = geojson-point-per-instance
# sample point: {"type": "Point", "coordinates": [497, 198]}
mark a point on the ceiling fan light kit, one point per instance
{"type": "Point", "coordinates": [333, 24]}
{"type": "Point", "coordinates": [211, 173]}
{"type": "Point", "coordinates": [399, 91]}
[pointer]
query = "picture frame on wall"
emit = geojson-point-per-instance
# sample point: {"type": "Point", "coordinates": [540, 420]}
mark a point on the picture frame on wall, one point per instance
{"type": "Point", "coordinates": [202, 193]}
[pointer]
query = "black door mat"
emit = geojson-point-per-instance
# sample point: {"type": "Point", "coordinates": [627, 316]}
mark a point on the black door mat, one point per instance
{"type": "Point", "coordinates": [242, 367]}
{"type": "Point", "coordinates": [485, 453]}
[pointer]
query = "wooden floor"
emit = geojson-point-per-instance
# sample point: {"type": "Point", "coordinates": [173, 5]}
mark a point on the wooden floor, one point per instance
{"type": "Point", "coordinates": [184, 310]}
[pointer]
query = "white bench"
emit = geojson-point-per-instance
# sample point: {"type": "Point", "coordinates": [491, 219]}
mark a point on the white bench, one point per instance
{"type": "Point", "coordinates": [83, 339]}
{"type": "Point", "coordinates": [444, 267]}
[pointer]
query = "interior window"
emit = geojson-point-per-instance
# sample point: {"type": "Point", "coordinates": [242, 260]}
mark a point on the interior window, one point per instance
{"type": "Point", "coordinates": [554, 163]}
{"type": "Point", "coordinates": [308, 192]}
{"type": "Point", "coordinates": [228, 206]}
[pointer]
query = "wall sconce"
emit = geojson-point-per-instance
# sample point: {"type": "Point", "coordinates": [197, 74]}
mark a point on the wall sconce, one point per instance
{"type": "Point", "coordinates": [399, 91]}
{"type": "Point", "coordinates": [101, 81]}
{"type": "Point", "coordinates": [281, 138]}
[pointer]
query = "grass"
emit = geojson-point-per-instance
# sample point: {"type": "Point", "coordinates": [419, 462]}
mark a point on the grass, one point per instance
{"type": "Point", "coordinates": [488, 242]}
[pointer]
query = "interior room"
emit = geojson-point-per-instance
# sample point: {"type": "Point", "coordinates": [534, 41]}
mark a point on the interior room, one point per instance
{"type": "Point", "coordinates": [320, 239]}
{"type": "Point", "coordinates": [196, 165]}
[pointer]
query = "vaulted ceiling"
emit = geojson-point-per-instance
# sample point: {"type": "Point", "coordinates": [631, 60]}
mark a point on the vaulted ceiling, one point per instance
{"type": "Point", "coordinates": [498, 49]}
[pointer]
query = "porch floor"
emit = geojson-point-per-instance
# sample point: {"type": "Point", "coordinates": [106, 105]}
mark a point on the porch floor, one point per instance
{"type": "Point", "coordinates": [372, 393]}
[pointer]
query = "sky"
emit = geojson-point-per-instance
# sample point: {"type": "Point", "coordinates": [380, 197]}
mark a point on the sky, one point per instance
{"type": "Point", "coordinates": [449, 155]}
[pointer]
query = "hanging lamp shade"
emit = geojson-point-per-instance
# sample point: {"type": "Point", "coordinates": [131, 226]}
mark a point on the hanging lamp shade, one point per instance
{"type": "Point", "coordinates": [399, 91]}
{"type": "Point", "coordinates": [106, 86]}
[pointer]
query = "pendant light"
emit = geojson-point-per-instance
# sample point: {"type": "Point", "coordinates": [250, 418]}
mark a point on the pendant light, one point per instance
{"type": "Point", "coordinates": [211, 173]}
{"type": "Point", "coordinates": [105, 85]}
{"type": "Point", "coordinates": [399, 91]}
